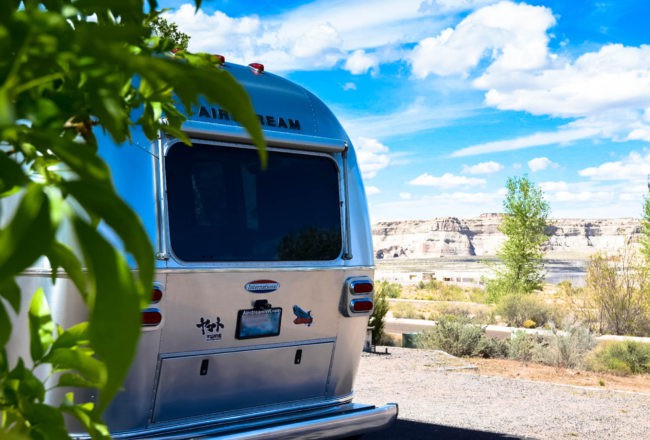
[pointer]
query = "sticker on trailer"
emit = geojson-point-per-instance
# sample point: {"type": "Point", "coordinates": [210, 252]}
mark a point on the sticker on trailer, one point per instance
{"type": "Point", "coordinates": [211, 330]}
{"type": "Point", "coordinates": [302, 317]}
{"type": "Point", "coordinates": [262, 286]}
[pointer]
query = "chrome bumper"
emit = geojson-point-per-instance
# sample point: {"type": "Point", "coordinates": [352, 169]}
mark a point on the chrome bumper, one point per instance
{"type": "Point", "coordinates": [334, 422]}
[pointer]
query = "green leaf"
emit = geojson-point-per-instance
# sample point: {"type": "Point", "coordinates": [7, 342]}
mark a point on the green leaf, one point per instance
{"type": "Point", "coordinates": [75, 380]}
{"type": "Point", "coordinates": [10, 291]}
{"type": "Point", "coordinates": [45, 420]}
{"type": "Point", "coordinates": [28, 235]}
{"type": "Point", "coordinates": [41, 326]}
{"type": "Point", "coordinates": [114, 308]}
{"type": "Point", "coordinates": [72, 337]}
{"type": "Point", "coordinates": [5, 325]}
{"type": "Point", "coordinates": [106, 204]}
{"type": "Point", "coordinates": [82, 361]}
{"type": "Point", "coordinates": [27, 386]}
{"type": "Point", "coordinates": [11, 175]}
{"type": "Point", "coordinates": [62, 256]}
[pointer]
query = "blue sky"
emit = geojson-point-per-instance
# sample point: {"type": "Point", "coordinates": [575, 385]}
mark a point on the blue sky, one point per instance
{"type": "Point", "coordinates": [446, 99]}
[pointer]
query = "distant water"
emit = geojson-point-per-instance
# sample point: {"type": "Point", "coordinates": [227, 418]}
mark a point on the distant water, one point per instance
{"type": "Point", "coordinates": [557, 271]}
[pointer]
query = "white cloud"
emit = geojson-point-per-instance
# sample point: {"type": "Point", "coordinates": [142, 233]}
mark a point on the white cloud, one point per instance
{"type": "Point", "coordinates": [634, 167]}
{"type": "Point", "coordinates": [581, 197]}
{"type": "Point", "coordinates": [359, 62]}
{"type": "Point", "coordinates": [483, 168]}
{"type": "Point", "coordinates": [372, 190]}
{"type": "Point", "coordinates": [447, 180]}
{"type": "Point", "coordinates": [541, 163]}
{"type": "Point", "coordinates": [405, 196]}
{"type": "Point", "coordinates": [319, 34]}
{"type": "Point", "coordinates": [554, 186]}
{"type": "Point", "coordinates": [563, 136]}
{"type": "Point", "coordinates": [512, 35]}
{"type": "Point", "coordinates": [372, 156]}
{"type": "Point", "coordinates": [418, 116]}
{"type": "Point", "coordinates": [349, 86]}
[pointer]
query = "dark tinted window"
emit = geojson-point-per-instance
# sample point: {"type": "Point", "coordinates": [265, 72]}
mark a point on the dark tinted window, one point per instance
{"type": "Point", "coordinates": [223, 207]}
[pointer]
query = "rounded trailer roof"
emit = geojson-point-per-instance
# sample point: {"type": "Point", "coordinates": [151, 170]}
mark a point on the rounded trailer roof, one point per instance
{"type": "Point", "coordinates": [287, 112]}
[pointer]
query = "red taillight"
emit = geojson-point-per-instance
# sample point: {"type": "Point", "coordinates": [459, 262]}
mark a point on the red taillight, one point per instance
{"type": "Point", "coordinates": [361, 305]}
{"type": "Point", "coordinates": [361, 287]}
{"type": "Point", "coordinates": [156, 295]}
{"type": "Point", "coordinates": [151, 317]}
{"type": "Point", "coordinates": [257, 68]}
{"type": "Point", "coordinates": [219, 59]}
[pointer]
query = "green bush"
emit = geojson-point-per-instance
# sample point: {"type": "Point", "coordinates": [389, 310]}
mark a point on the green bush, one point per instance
{"type": "Point", "coordinates": [455, 336]}
{"type": "Point", "coordinates": [377, 319]}
{"type": "Point", "coordinates": [390, 290]}
{"type": "Point", "coordinates": [519, 308]}
{"type": "Point", "coordinates": [628, 357]}
{"type": "Point", "coordinates": [523, 346]}
{"type": "Point", "coordinates": [567, 349]}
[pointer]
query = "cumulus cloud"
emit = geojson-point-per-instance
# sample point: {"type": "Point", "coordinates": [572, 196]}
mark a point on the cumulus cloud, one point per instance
{"type": "Point", "coordinates": [447, 180]}
{"type": "Point", "coordinates": [554, 186]}
{"type": "Point", "coordinates": [349, 86]}
{"type": "Point", "coordinates": [635, 166]}
{"type": "Point", "coordinates": [483, 168]}
{"type": "Point", "coordinates": [372, 190]}
{"type": "Point", "coordinates": [316, 35]}
{"type": "Point", "coordinates": [372, 156]}
{"type": "Point", "coordinates": [513, 36]}
{"type": "Point", "coordinates": [405, 196]}
{"type": "Point", "coordinates": [360, 62]}
{"type": "Point", "coordinates": [504, 48]}
{"type": "Point", "coordinates": [541, 163]}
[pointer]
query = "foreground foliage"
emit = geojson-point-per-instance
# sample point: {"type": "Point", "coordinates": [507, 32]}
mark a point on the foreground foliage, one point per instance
{"type": "Point", "coordinates": [67, 66]}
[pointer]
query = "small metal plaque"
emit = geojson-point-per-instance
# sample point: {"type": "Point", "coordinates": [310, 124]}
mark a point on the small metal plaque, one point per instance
{"type": "Point", "coordinates": [258, 323]}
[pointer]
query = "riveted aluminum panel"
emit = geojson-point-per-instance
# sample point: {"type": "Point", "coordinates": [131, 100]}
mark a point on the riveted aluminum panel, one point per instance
{"type": "Point", "coordinates": [196, 385]}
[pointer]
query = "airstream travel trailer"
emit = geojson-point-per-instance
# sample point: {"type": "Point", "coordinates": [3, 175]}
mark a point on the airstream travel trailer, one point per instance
{"type": "Point", "coordinates": [263, 282]}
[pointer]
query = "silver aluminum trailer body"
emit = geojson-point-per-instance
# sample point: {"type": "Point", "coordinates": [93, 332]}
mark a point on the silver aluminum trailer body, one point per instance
{"type": "Point", "coordinates": [263, 277]}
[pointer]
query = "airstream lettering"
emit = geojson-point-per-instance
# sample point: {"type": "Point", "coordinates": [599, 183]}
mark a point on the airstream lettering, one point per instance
{"type": "Point", "coordinates": [263, 283]}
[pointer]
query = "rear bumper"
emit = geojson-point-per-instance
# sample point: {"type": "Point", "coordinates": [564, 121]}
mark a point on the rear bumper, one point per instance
{"type": "Point", "coordinates": [344, 420]}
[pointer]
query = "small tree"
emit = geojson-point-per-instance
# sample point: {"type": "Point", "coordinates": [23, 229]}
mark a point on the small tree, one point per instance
{"type": "Point", "coordinates": [524, 225]}
{"type": "Point", "coordinates": [645, 231]}
{"type": "Point", "coordinates": [617, 294]}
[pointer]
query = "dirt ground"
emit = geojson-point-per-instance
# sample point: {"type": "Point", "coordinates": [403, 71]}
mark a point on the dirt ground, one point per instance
{"type": "Point", "coordinates": [544, 373]}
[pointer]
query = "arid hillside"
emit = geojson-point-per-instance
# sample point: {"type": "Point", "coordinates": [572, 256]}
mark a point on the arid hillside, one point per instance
{"type": "Point", "coordinates": [479, 236]}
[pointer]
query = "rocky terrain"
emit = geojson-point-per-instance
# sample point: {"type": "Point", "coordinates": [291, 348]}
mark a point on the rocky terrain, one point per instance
{"type": "Point", "coordinates": [480, 237]}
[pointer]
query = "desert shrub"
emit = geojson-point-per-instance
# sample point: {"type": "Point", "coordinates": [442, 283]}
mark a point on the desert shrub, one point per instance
{"type": "Point", "coordinates": [433, 290]}
{"type": "Point", "coordinates": [523, 346]}
{"type": "Point", "coordinates": [628, 357]}
{"type": "Point", "coordinates": [518, 308]}
{"type": "Point", "coordinates": [474, 313]}
{"type": "Point", "coordinates": [567, 349]}
{"type": "Point", "coordinates": [390, 290]}
{"type": "Point", "coordinates": [407, 311]}
{"type": "Point", "coordinates": [378, 316]}
{"type": "Point", "coordinates": [492, 348]}
{"type": "Point", "coordinates": [616, 298]}
{"type": "Point", "coordinates": [455, 336]}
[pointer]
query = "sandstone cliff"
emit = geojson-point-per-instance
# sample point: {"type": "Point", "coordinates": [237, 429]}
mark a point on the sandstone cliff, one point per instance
{"type": "Point", "coordinates": [454, 237]}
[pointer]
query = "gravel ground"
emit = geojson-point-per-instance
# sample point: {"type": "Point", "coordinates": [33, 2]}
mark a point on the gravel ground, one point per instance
{"type": "Point", "coordinates": [432, 387]}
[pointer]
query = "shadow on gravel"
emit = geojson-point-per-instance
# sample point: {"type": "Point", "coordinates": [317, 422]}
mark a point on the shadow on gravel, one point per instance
{"type": "Point", "coordinates": [412, 430]}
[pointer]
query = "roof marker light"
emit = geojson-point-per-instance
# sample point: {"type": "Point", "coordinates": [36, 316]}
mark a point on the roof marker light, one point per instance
{"type": "Point", "coordinates": [257, 68]}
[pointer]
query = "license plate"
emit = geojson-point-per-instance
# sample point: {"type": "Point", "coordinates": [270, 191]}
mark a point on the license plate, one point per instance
{"type": "Point", "coordinates": [255, 323]}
